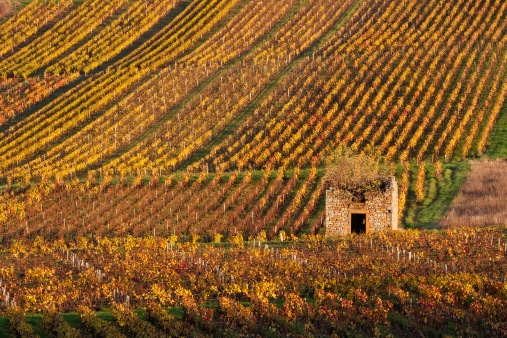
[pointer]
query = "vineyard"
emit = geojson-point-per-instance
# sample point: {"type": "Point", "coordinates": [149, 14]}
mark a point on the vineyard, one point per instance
{"type": "Point", "coordinates": [142, 123]}
{"type": "Point", "coordinates": [217, 116]}
{"type": "Point", "coordinates": [425, 282]}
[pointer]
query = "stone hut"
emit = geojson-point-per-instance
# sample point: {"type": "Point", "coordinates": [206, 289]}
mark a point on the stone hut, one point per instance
{"type": "Point", "coordinates": [373, 209]}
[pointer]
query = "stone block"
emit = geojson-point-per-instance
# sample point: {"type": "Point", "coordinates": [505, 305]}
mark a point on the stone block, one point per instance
{"type": "Point", "coordinates": [380, 210]}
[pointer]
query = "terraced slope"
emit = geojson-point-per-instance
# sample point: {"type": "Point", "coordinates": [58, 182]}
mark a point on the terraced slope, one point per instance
{"type": "Point", "coordinates": [230, 108]}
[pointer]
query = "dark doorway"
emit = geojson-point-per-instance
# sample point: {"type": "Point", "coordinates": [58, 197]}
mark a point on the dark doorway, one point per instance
{"type": "Point", "coordinates": [358, 223]}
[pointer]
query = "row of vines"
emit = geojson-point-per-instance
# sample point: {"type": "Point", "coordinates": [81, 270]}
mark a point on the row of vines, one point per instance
{"type": "Point", "coordinates": [230, 108]}
{"type": "Point", "coordinates": [450, 282]}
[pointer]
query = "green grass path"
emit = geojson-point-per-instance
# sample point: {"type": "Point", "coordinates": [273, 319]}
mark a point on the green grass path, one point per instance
{"type": "Point", "coordinates": [439, 194]}
{"type": "Point", "coordinates": [498, 139]}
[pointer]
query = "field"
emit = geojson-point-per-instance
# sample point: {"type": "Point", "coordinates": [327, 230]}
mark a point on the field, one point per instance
{"type": "Point", "coordinates": [481, 198]}
{"type": "Point", "coordinates": [398, 283]}
{"type": "Point", "coordinates": [199, 124]}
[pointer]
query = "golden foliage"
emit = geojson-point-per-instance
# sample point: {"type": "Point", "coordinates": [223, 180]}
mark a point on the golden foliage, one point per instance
{"type": "Point", "coordinates": [356, 172]}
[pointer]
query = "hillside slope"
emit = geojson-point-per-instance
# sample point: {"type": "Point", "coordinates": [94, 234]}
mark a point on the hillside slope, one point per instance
{"type": "Point", "coordinates": [229, 109]}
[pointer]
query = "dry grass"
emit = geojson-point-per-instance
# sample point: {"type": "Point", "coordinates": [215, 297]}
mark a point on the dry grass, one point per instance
{"type": "Point", "coordinates": [482, 200]}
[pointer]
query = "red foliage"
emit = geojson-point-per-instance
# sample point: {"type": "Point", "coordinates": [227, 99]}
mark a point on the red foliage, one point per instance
{"type": "Point", "coordinates": [5, 9]}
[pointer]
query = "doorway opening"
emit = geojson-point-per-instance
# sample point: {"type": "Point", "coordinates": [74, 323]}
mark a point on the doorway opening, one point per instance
{"type": "Point", "coordinates": [358, 223]}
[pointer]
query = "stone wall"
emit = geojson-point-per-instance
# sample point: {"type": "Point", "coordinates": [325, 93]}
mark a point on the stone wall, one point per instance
{"type": "Point", "coordinates": [338, 203]}
{"type": "Point", "coordinates": [380, 207]}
